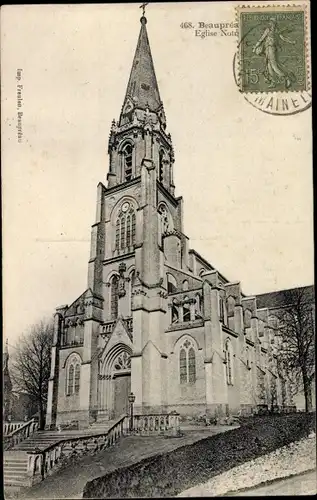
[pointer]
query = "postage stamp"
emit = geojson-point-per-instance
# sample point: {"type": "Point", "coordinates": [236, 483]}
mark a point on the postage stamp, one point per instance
{"type": "Point", "coordinates": [273, 57]}
{"type": "Point", "coordinates": [272, 50]}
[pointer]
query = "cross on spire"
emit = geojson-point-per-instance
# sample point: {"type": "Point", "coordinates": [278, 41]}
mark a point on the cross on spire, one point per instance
{"type": "Point", "coordinates": [142, 90]}
{"type": "Point", "coordinates": [143, 7]}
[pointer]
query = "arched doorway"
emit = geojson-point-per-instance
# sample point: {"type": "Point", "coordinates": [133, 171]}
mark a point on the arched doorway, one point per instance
{"type": "Point", "coordinates": [115, 381]}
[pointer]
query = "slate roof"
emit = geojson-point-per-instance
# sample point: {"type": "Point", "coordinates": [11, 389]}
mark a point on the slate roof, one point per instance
{"type": "Point", "coordinates": [276, 299]}
{"type": "Point", "coordinates": [142, 87]}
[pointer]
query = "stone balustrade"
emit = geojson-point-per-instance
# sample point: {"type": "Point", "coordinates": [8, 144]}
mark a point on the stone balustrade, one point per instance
{"type": "Point", "coordinates": [109, 326]}
{"type": "Point", "coordinates": [43, 463]}
{"type": "Point", "coordinates": [20, 434]}
{"type": "Point", "coordinates": [9, 427]}
{"type": "Point", "coordinates": [73, 343]}
{"type": "Point", "coordinates": [129, 323]}
{"type": "Point", "coordinates": [156, 423]}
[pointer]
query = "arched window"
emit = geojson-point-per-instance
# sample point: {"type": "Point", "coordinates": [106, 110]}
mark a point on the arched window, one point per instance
{"type": "Point", "coordinates": [247, 355]}
{"type": "Point", "coordinates": [175, 314]}
{"type": "Point", "coordinates": [127, 161]}
{"type": "Point", "coordinates": [229, 362]}
{"type": "Point", "coordinates": [122, 362]}
{"type": "Point", "coordinates": [201, 272]}
{"type": "Point", "coordinates": [231, 305]}
{"type": "Point", "coordinates": [73, 375]}
{"type": "Point", "coordinates": [247, 318]}
{"type": "Point", "coordinates": [198, 306]}
{"type": "Point", "coordinates": [114, 296]}
{"type": "Point", "coordinates": [70, 379]}
{"type": "Point", "coordinates": [185, 285]}
{"type": "Point", "coordinates": [161, 165]}
{"type": "Point", "coordinates": [186, 310]}
{"type": "Point", "coordinates": [171, 283]}
{"type": "Point", "coordinates": [221, 309]}
{"type": "Point", "coordinates": [183, 366]}
{"type": "Point", "coordinates": [165, 219]}
{"type": "Point", "coordinates": [191, 365]}
{"type": "Point", "coordinates": [125, 228]}
{"type": "Point", "coordinates": [273, 322]}
{"type": "Point", "coordinates": [77, 378]}
{"type": "Point", "coordinates": [132, 277]}
{"type": "Point", "coordinates": [187, 363]}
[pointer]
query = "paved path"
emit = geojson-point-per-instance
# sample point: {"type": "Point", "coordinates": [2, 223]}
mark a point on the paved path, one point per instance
{"type": "Point", "coordinates": [70, 481]}
{"type": "Point", "coordinates": [302, 484]}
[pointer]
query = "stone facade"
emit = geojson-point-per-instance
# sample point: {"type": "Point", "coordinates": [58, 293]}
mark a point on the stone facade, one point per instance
{"type": "Point", "coordinates": [156, 319]}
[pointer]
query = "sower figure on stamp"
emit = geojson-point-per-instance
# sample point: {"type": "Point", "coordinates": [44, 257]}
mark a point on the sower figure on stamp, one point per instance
{"type": "Point", "coordinates": [268, 44]}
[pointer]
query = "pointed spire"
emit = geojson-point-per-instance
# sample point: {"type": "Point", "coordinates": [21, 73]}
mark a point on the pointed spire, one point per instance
{"type": "Point", "coordinates": [142, 90]}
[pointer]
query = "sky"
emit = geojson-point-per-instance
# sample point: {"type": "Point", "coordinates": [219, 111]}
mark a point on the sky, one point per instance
{"type": "Point", "coordinates": [245, 176]}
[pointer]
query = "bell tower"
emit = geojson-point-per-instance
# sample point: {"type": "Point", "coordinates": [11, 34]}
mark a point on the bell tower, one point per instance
{"type": "Point", "coordinates": [141, 131]}
{"type": "Point", "coordinates": [138, 229]}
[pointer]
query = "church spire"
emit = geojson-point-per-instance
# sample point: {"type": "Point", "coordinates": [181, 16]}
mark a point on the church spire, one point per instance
{"type": "Point", "coordinates": [141, 131]}
{"type": "Point", "coordinates": [142, 90]}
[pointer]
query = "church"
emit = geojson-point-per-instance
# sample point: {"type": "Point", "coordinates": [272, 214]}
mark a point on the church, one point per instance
{"type": "Point", "coordinates": [157, 319]}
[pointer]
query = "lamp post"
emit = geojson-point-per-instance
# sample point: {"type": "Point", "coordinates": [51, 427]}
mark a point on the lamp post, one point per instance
{"type": "Point", "coordinates": [131, 399]}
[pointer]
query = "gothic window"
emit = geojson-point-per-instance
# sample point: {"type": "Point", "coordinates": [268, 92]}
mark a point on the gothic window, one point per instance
{"type": "Point", "coordinates": [114, 297]}
{"type": "Point", "coordinates": [186, 310]}
{"type": "Point", "coordinates": [221, 309]}
{"type": "Point", "coordinates": [198, 306]}
{"type": "Point", "coordinates": [161, 165]}
{"type": "Point", "coordinates": [118, 232]}
{"type": "Point", "coordinates": [185, 285]}
{"type": "Point", "coordinates": [73, 376]}
{"type": "Point", "coordinates": [248, 361]}
{"type": "Point", "coordinates": [187, 363]}
{"type": "Point", "coordinates": [70, 380]}
{"type": "Point", "coordinates": [125, 228]}
{"type": "Point", "coordinates": [77, 378]}
{"type": "Point", "coordinates": [247, 318]}
{"type": "Point", "coordinates": [132, 276]}
{"type": "Point", "coordinates": [273, 321]}
{"type": "Point", "coordinates": [127, 161]}
{"type": "Point", "coordinates": [123, 362]}
{"type": "Point", "coordinates": [175, 314]}
{"type": "Point", "coordinates": [229, 362]}
{"type": "Point", "coordinates": [230, 305]}
{"type": "Point", "coordinates": [164, 219]}
{"type": "Point", "coordinates": [183, 366]}
{"type": "Point", "coordinates": [171, 283]}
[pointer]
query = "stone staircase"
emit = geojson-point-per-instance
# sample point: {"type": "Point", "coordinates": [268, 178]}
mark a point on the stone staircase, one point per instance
{"type": "Point", "coordinates": [15, 460]}
{"type": "Point", "coordinates": [15, 468]}
{"type": "Point", "coordinates": [31, 459]}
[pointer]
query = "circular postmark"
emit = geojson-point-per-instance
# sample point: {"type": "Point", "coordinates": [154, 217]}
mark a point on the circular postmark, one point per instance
{"type": "Point", "coordinates": [271, 65]}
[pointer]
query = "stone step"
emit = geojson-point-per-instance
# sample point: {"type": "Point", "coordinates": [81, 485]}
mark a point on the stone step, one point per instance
{"type": "Point", "coordinates": [15, 466]}
{"type": "Point", "coordinates": [44, 439]}
{"type": "Point", "coordinates": [14, 474]}
{"type": "Point", "coordinates": [13, 461]}
{"type": "Point", "coordinates": [22, 480]}
{"type": "Point", "coordinates": [15, 482]}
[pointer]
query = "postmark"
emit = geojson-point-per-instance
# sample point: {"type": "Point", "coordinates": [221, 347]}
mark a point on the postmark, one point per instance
{"type": "Point", "coordinates": [272, 63]}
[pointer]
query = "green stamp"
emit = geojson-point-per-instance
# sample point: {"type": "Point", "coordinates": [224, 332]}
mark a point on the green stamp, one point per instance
{"type": "Point", "coordinates": [272, 49]}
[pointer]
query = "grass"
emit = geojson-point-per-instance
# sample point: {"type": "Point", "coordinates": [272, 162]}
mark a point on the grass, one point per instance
{"type": "Point", "coordinates": [167, 474]}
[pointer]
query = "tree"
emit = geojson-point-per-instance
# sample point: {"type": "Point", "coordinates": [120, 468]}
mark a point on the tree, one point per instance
{"type": "Point", "coordinates": [31, 365]}
{"type": "Point", "coordinates": [297, 346]}
{"type": "Point", "coordinates": [7, 384]}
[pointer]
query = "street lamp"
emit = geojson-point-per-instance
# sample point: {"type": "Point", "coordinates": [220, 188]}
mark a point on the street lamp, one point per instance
{"type": "Point", "coordinates": [131, 399]}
